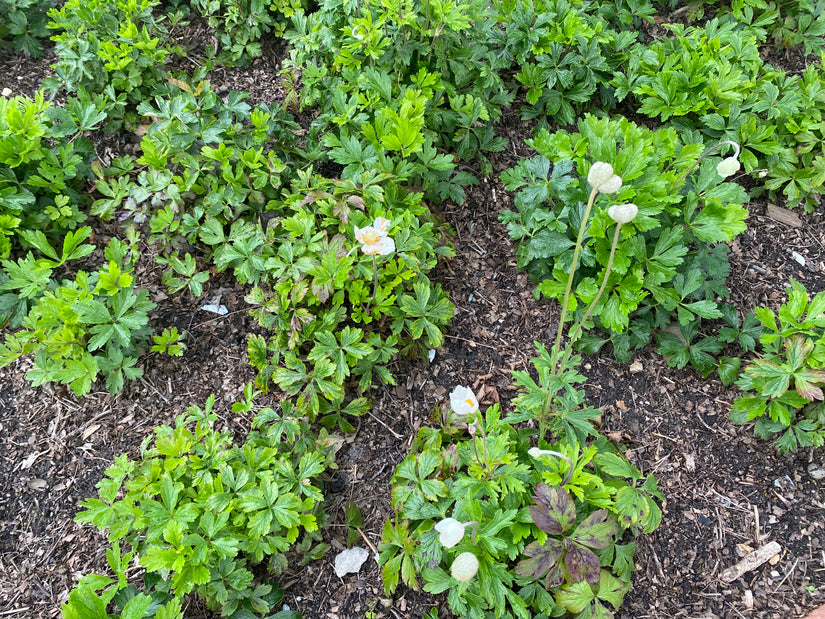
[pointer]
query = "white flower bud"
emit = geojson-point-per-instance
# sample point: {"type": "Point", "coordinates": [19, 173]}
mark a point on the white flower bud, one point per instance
{"type": "Point", "coordinates": [535, 452]}
{"type": "Point", "coordinates": [450, 532]}
{"type": "Point", "coordinates": [611, 185]}
{"type": "Point", "coordinates": [623, 213]}
{"type": "Point", "coordinates": [602, 179]}
{"type": "Point", "coordinates": [463, 401]}
{"type": "Point", "coordinates": [464, 567]}
{"type": "Point", "coordinates": [599, 173]}
{"type": "Point", "coordinates": [727, 166]}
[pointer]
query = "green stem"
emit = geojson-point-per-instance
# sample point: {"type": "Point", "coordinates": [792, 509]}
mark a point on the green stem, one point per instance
{"type": "Point", "coordinates": [576, 252]}
{"type": "Point", "coordinates": [576, 332]}
{"type": "Point", "coordinates": [374, 283]}
{"type": "Point", "coordinates": [712, 149]}
{"type": "Point", "coordinates": [489, 468]}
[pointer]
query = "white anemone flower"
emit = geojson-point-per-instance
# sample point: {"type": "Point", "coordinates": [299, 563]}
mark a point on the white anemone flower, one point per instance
{"type": "Point", "coordinates": [727, 167]}
{"type": "Point", "coordinates": [602, 179]}
{"type": "Point", "coordinates": [450, 532]}
{"type": "Point", "coordinates": [374, 239]}
{"type": "Point", "coordinates": [463, 401]}
{"type": "Point", "coordinates": [464, 567]}
{"type": "Point", "coordinates": [623, 213]}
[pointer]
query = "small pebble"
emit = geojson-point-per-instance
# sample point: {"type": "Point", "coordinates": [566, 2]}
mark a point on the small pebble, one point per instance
{"type": "Point", "coordinates": [6, 92]}
{"type": "Point", "coordinates": [816, 471]}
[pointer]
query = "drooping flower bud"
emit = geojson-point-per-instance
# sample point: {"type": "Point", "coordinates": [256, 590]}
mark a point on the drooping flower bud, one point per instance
{"type": "Point", "coordinates": [623, 213]}
{"type": "Point", "coordinates": [464, 567]}
{"type": "Point", "coordinates": [463, 401]}
{"type": "Point", "coordinates": [602, 179]}
{"type": "Point", "coordinates": [727, 166]}
{"type": "Point", "coordinates": [450, 532]}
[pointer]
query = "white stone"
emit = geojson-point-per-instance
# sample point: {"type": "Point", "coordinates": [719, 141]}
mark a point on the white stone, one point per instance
{"type": "Point", "coordinates": [349, 561]}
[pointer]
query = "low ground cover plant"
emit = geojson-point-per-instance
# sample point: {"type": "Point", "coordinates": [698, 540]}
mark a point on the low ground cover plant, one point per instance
{"type": "Point", "coordinates": [23, 25]}
{"type": "Point", "coordinates": [667, 265]}
{"type": "Point", "coordinates": [783, 385]}
{"type": "Point", "coordinates": [94, 326]}
{"type": "Point", "coordinates": [199, 511]}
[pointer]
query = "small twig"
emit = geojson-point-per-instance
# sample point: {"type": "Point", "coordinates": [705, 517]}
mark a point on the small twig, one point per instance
{"type": "Point", "coordinates": [14, 611]}
{"type": "Point", "coordinates": [756, 523]}
{"type": "Point", "coordinates": [391, 431]}
{"type": "Point", "coordinates": [790, 571]}
{"type": "Point", "coordinates": [464, 339]}
{"type": "Point", "coordinates": [367, 541]}
{"type": "Point", "coordinates": [155, 389]}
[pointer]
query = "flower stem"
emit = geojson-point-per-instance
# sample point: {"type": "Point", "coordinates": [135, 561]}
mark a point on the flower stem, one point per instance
{"type": "Point", "coordinates": [576, 252]}
{"type": "Point", "coordinates": [374, 283]}
{"type": "Point", "coordinates": [712, 149]}
{"type": "Point", "coordinates": [577, 330]}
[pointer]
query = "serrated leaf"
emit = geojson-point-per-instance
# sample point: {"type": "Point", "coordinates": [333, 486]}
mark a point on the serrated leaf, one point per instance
{"type": "Point", "coordinates": [582, 564]}
{"type": "Point", "coordinates": [576, 597]}
{"type": "Point", "coordinates": [597, 530]}
{"type": "Point", "coordinates": [555, 511]}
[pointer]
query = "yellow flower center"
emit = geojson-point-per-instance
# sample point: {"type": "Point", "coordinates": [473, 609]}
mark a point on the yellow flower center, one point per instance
{"type": "Point", "coordinates": [469, 402]}
{"type": "Point", "coordinates": [371, 237]}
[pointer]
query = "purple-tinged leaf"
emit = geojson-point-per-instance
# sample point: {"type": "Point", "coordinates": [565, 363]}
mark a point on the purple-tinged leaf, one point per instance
{"type": "Point", "coordinates": [554, 512]}
{"type": "Point", "coordinates": [542, 558]}
{"type": "Point", "coordinates": [582, 564]}
{"type": "Point", "coordinates": [597, 530]}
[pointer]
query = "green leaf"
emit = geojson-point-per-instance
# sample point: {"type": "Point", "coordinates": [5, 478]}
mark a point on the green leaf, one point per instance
{"type": "Point", "coordinates": [611, 589]}
{"type": "Point", "coordinates": [597, 530]}
{"type": "Point", "coordinates": [136, 607]}
{"type": "Point", "coordinates": [576, 597]}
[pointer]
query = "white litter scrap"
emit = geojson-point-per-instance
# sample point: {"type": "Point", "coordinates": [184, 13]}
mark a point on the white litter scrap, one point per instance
{"type": "Point", "coordinates": [220, 310]}
{"type": "Point", "coordinates": [431, 354]}
{"type": "Point", "coordinates": [349, 561]}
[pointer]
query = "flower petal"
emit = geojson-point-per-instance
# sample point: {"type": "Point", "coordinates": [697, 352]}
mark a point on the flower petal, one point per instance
{"type": "Point", "coordinates": [385, 245]}
{"type": "Point", "coordinates": [381, 225]}
{"type": "Point", "coordinates": [360, 232]}
{"type": "Point", "coordinates": [463, 401]}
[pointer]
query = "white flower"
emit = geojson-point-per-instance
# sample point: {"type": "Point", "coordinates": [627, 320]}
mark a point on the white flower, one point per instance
{"type": "Point", "coordinates": [464, 567]}
{"type": "Point", "coordinates": [602, 179]}
{"type": "Point", "coordinates": [450, 532]}
{"type": "Point", "coordinates": [374, 239]}
{"type": "Point", "coordinates": [535, 452]}
{"type": "Point", "coordinates": [623, 213]}
{"type": "Point", "coordinates": [463, 401]}
{"type": "Point", "coordinates": [727, 166]}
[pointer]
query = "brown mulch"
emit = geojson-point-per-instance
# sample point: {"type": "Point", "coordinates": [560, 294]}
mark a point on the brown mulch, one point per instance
{"type": "Point", "coordinates": [726, 491]}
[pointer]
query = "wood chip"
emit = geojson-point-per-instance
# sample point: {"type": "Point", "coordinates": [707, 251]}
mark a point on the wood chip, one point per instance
{"type": "Point", "coordinates": [783, 215]}
{"type": "Point", "coordinates": [751, 561]}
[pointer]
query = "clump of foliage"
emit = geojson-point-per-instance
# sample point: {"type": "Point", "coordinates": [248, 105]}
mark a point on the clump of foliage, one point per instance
{"type": "Point", "coordinates": [712, 80]}
{"type": "Point", "coordinates": [783, 387]}
{"type": "Point", "coordinates": [588, 495]}
{"type": "Point", "coordinates": [44, 165]}
{"type": "Point", "coordinates": [230, 180]}
{"type": "Point", "coordinates": [23, 25]}
{"type": "Point", "coordinates": [117, 49]}
{"type": "Point", "coordinates": [78, 330]}
{"type": "Point", "coordinates": [669, 262]}
{"type": "Point", "coordinates": [239, 26]}
{"type": "Point", "coordinates": [200, 511]}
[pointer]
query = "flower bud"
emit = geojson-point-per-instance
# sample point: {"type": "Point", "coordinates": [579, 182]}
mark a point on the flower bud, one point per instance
{"type": "Point", "coordinates": [450, 532]}
{"type": "Point", "coordinates": [464, 567]}
{"type": "Point", "coordinates": [463, 401]}
{"type": "Point", "coordinates": [623, 213]}
{"type": "Point", "coordinates": [602, 179]}
{"type": "Point", "coordinates": [727, 166]}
